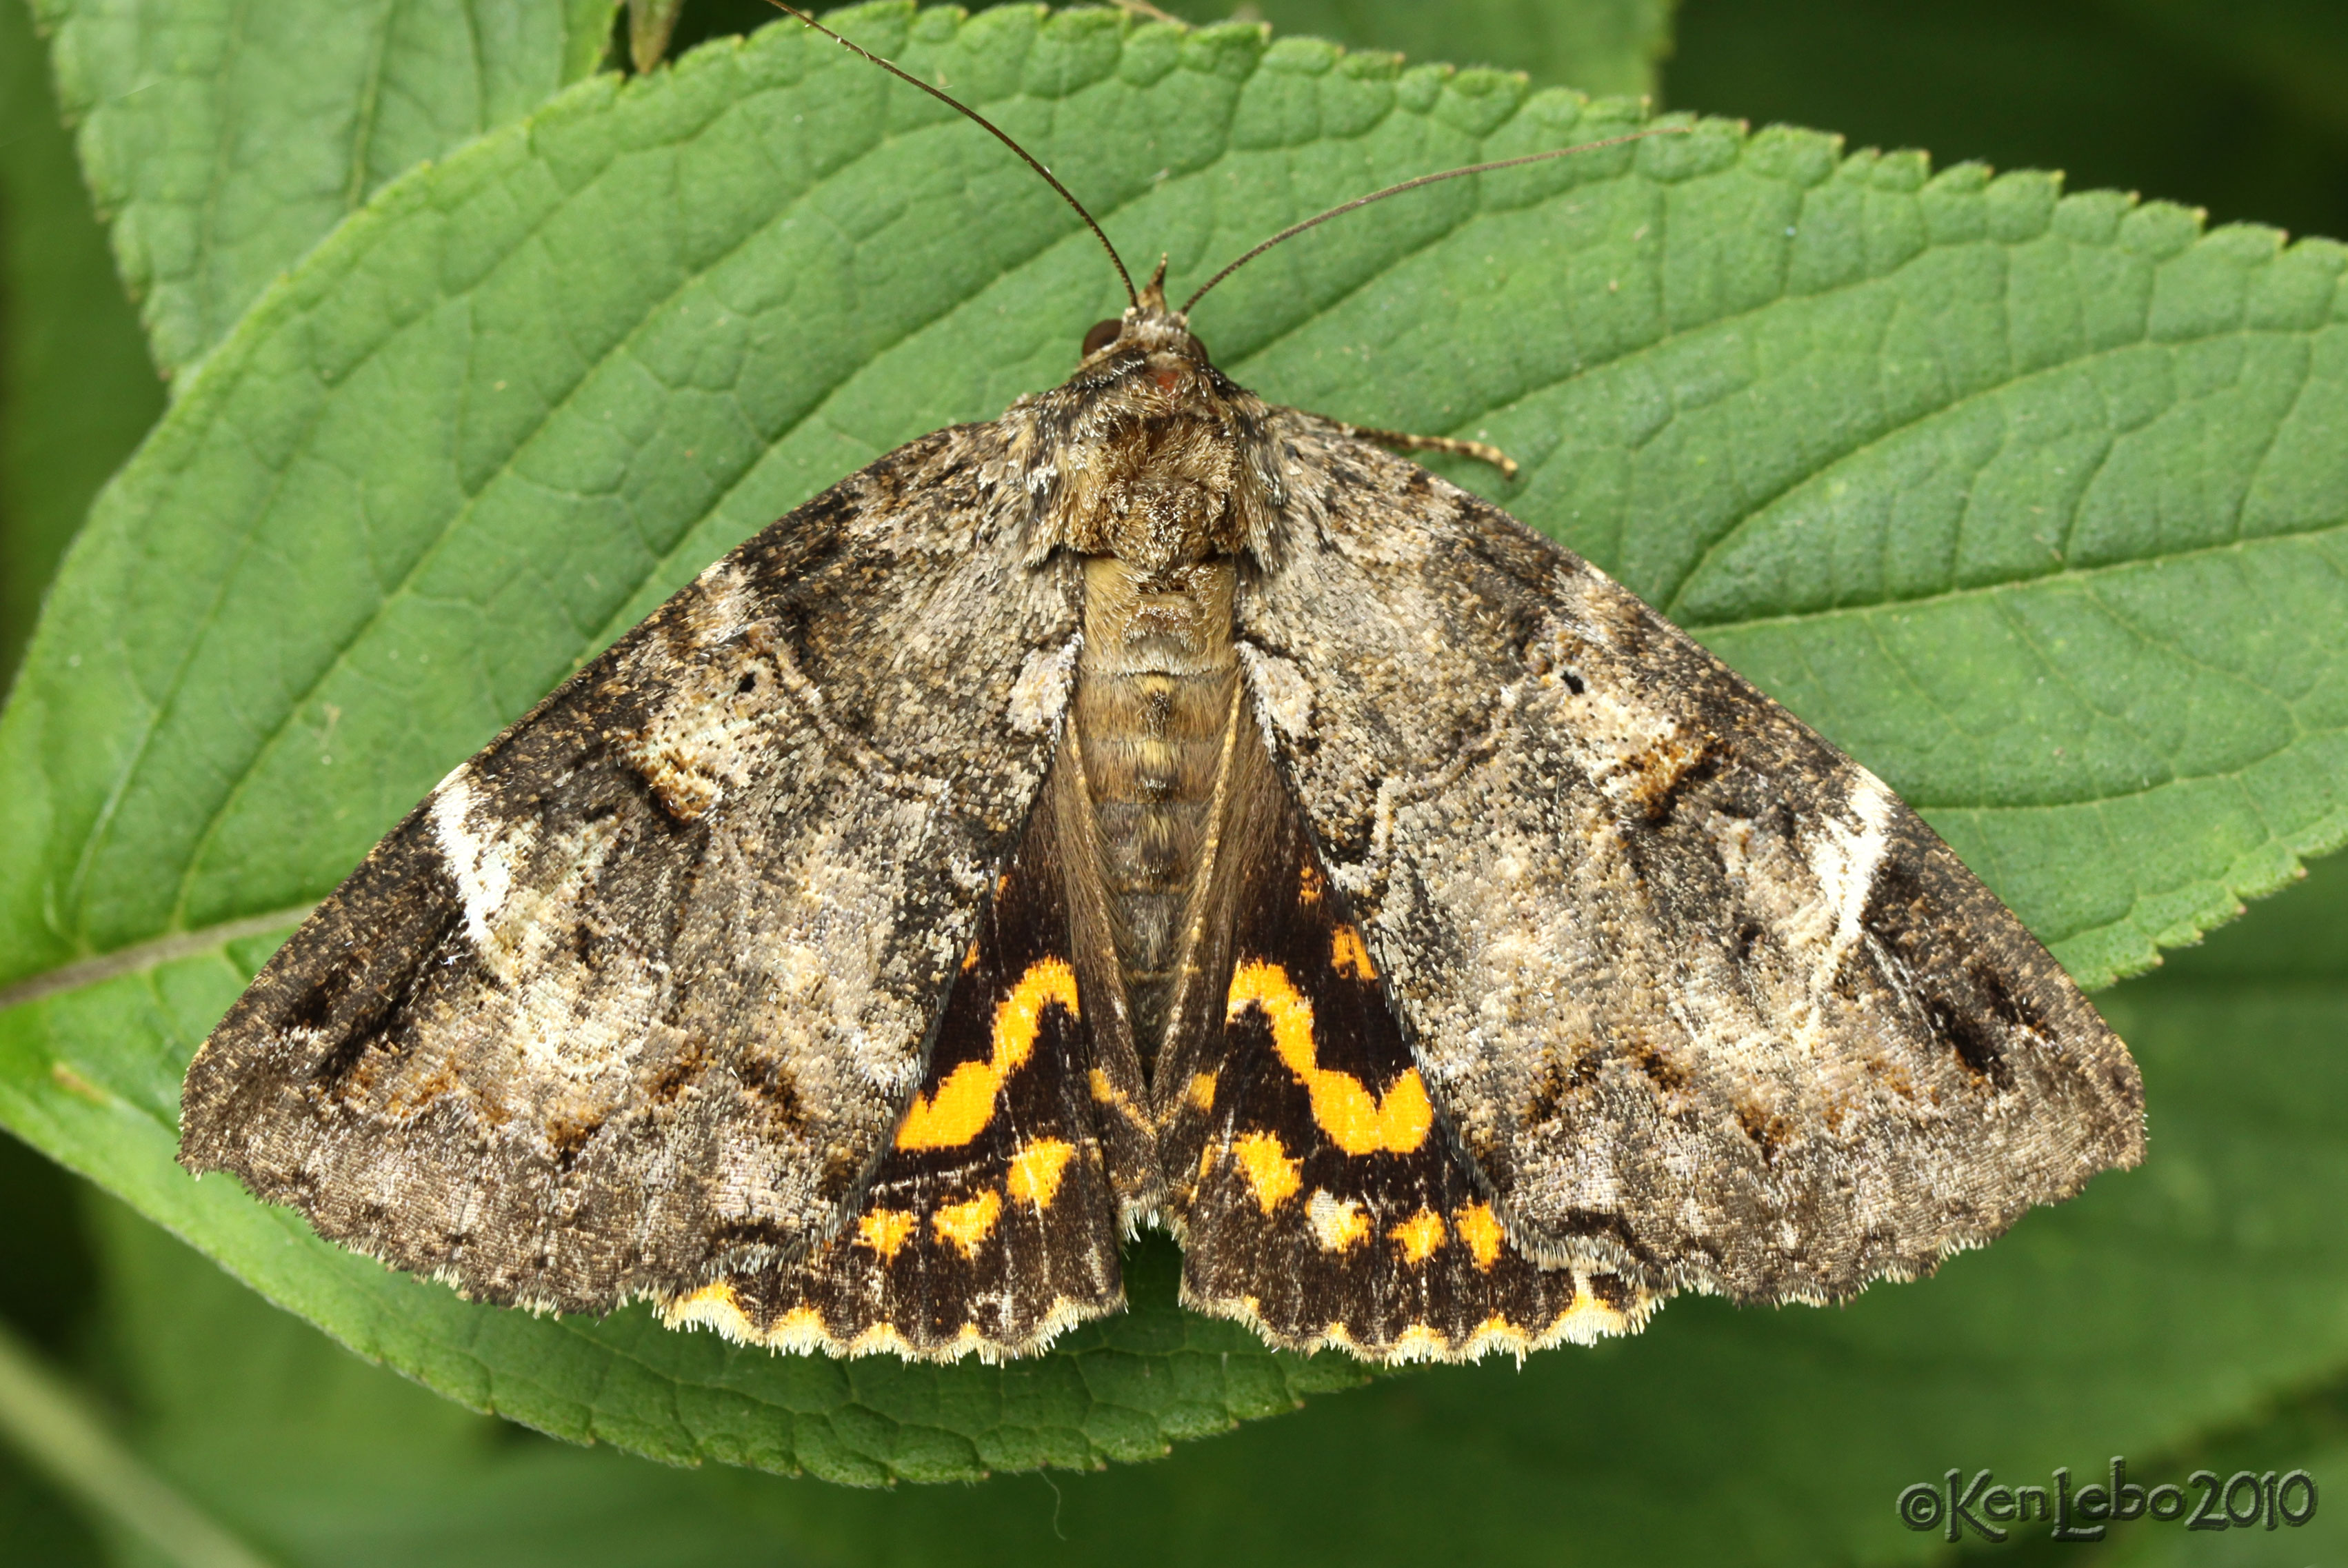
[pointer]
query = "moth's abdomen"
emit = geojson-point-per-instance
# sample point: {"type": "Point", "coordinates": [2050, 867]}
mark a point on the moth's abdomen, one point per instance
{"type": "Point", "coordinates": [1153, 702]}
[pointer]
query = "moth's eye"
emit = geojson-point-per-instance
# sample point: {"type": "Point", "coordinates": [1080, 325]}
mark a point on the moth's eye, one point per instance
{"type": "Point", "coordinates": [1103, 334]}
{"type": "Point", "coordinates": [1199, 350]}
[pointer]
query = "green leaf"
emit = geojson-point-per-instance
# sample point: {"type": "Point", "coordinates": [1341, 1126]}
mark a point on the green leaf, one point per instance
{"type": "Point", "coordinates": [224, 142]}
{"type": "Point", "coordinates": [77, 390]}
{"type": "Point", "coordinates": [41, 1527]}
{"type": "Point", "coordinates": [56, 1429]}
{"type": "Point", "coordinates": [2033, 502]}
{"type": "Point", "coordinates": [2174, 1302]}
{"type": "Point", "coordinates": [1597, 45]}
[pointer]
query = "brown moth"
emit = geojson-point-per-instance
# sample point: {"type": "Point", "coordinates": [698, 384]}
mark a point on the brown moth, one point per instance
{"type": "Point", "coordinates": [1157, 805]}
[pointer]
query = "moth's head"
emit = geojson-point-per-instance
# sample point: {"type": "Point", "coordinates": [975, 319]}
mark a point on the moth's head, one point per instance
{"type": "Point", "coordinates": [1144, 381]}
{"type": "Point", "coordinates": [1158, 453]}
{"type": "Point", "coordinates": [1149, 330]}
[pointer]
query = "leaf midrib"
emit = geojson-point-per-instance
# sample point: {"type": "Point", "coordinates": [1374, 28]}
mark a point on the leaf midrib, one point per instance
{"type": "Point", "coordinates": [143, 956]}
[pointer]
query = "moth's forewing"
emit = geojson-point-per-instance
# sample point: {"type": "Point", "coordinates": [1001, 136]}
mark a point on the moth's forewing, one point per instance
{"type": "Point", "coordinates": [639, 992]}
{"type": "Point", "coordinates": [1704, 999]}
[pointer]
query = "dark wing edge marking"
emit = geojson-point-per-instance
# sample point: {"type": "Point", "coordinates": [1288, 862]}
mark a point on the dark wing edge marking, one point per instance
{"type": "Point", "coordinates": [1318, 1192]}
{"type": "Point", "coordinates": [1707, 1002]}
{"type": "Point", "coordinates": [636, 996]}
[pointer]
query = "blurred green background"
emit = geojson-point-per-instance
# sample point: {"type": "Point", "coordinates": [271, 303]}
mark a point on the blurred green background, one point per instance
{"type": "Point", "coordinates": [2240, 109]}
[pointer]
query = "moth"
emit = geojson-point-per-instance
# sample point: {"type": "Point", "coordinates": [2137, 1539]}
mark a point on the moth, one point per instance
{"type": "Point", "coordinates": [1157, 805]}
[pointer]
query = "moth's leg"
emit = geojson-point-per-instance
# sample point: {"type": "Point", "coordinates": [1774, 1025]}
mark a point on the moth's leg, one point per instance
{"type": "Point", "coordinates": [1403, 441]}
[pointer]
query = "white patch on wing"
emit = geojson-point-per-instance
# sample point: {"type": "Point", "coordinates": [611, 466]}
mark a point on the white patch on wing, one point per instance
{"type": "Point", "coordinates": [1845, 861]}
{"type": "Point", "coordinates": [1816, 918]}
{"type": "Point", "coordinates": [1621, 740]}
{"type": "Point", "coordinates": [482, 865]}
{"type": "Point", "coordinates": [1634, 752]}
{"type": "Point", "coordinates": [524, 896]}
{"type": "Point", "coordinates": [573, 1019]}
{"type": "Point", "coordinates": [729, 603]}
{"type": "Point", "coordinates": [721, 715]}
{"type": "Point", "coordinates": [1582, 606]}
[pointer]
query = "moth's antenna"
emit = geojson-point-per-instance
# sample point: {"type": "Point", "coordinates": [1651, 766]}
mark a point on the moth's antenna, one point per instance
{"type": "Point", "coordinates": [1343, 208]}
{"type": "Point", "coordinates": [994, 129]}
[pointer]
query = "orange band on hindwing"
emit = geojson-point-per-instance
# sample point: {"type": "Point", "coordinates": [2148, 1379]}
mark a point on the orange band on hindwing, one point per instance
{"type": "Point", "coordinates": [1322, 1196]}
{"type": "Point", "coordinates": [991, 1221]}
{"type": "Point", "coordinates": [1357, 1120]}
{"type": "Point", "coordinates": [961, 1107]}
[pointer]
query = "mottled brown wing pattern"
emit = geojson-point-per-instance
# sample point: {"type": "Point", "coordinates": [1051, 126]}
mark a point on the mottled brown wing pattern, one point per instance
{"type": "Point", "coordinates": [989, 1223]}
{"type": "Point", "coordinates": [1704, 999]}
{"type": "Point", "coordinates": [1315, 1182]}
{"type": "Point", "coordinates": [1516, 963]}
{"type": "Point", "coordinates": [639, 991]}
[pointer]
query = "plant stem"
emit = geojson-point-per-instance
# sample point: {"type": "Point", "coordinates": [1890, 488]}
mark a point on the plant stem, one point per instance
{"type": "Point", "coordinates": [48, 1421]}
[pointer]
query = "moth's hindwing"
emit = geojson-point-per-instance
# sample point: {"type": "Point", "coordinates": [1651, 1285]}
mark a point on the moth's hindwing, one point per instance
{"type": "Point", "coordinates": [638, 991]}
{"type": "Point", "coordinates": [989, 1223]}
{"type": "Point", "coordinates": [1317, 1183]}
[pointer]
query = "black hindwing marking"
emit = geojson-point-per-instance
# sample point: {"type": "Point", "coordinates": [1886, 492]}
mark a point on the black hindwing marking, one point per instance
{"type": "Point", "coordinates": [1318, 1187]}
{"type": "Point", "coordinates": [989, 1223]}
